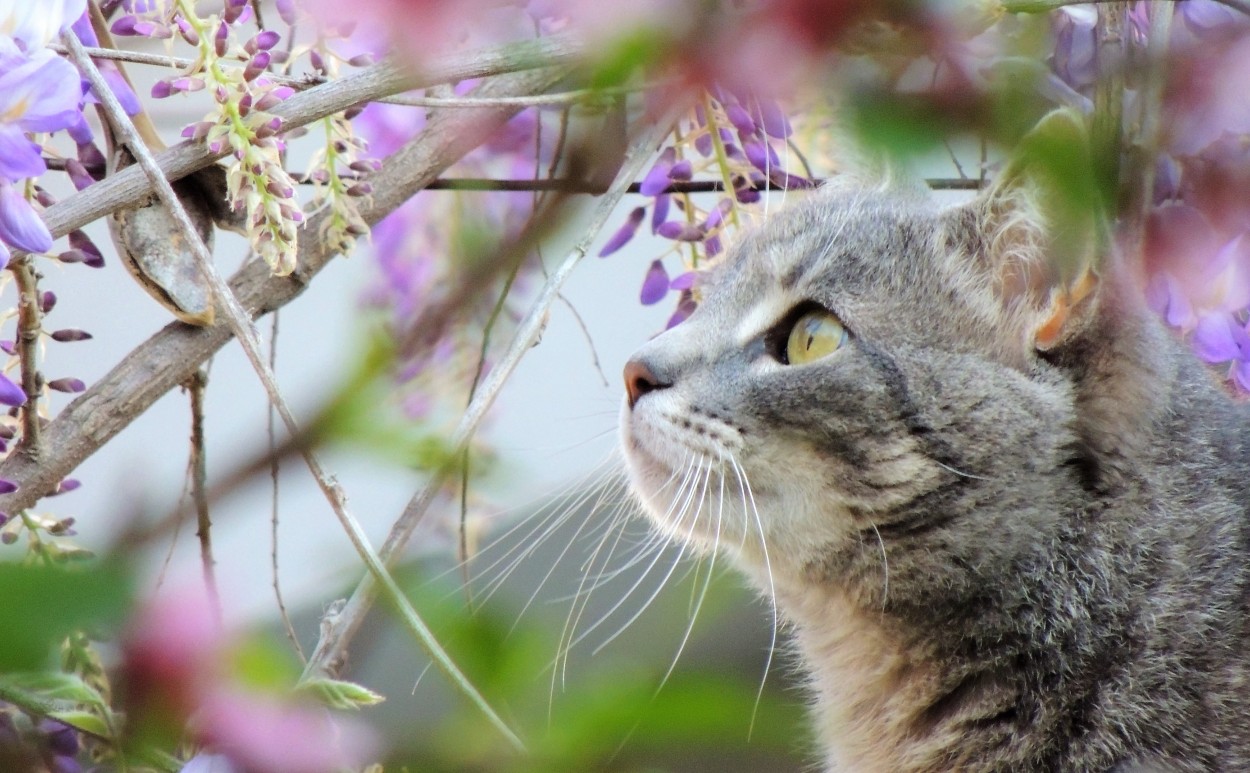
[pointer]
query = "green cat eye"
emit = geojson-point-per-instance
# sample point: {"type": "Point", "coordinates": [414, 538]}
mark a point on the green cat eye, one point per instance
{"type": "Point", "coordinates": [816, 334]}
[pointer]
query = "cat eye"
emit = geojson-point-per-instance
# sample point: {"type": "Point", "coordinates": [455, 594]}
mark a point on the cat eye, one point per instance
{"type": "Point", "coordinates": [817, 333]}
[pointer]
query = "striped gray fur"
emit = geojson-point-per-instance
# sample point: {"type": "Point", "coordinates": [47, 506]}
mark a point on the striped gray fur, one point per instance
{"type": "Point", "coordinates": [991, 556]}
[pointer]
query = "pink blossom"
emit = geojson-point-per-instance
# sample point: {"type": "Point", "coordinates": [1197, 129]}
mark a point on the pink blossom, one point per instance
{"type": "Point", "coordinates": [262, 734]}
{"type": "Point", "coordinates": [176, 660]}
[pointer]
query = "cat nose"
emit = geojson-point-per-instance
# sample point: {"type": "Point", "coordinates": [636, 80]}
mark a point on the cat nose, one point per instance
{"type": "Point", "coordinates": [639, 380]}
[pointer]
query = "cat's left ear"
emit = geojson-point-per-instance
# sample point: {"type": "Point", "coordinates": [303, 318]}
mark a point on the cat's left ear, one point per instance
{"type": "Point", "coordinates": [1037, 232]}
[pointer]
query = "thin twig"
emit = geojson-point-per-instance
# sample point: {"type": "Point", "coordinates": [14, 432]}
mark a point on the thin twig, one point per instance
{"type": "Point", "coordinates": [29, 324]}
{"type": "Point", "coordinates": [240, 323]}
{"type": "Point", "coordinates": [197, 469]}
{"type": "Point", "coordinates": [335, 639]}
{"type": "Point", "coordinates": [590, 341]}
{"type": "Point", "coordinates": [275, 468]}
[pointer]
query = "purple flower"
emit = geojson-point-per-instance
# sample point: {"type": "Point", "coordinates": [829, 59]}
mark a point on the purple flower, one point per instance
{"type": "Point", "coordinates": [680, 231]}
{"type": "Point", "coordinates": [761, 155]}
{"type": "Point", "coordinates": [657, 179]}
{"type": "Point", "coordinates": [78, 174]}
{"type": "Point", "coordinates": [775, 122]}
{"type": "Point", "coordinates": [70, 334]}
{"type": "Point", "coordinates": [7, 486]}
{"type": "Point", "coordinates": [20, 225]}
{"type": "Point", "coordinates": [71, 385]}
{"type": "Point", "coordinates": [654, 284]}
{"type": "Point", "coordinates": [40, 92]}
{"type": "Point", "coordinates": [683, 281]}
{"type": "Point", "coordinates": [10, 393]}
{"type": "Point", "coordinates": [116, 81]}
{"type": "Point", "coordinates": [740, 118]}
{"type": "Point", "coordinates": [61, 739]}
{"type": "Point", "coordinates": [35, 24]}
{"type": "Point", "coordinates": [624, 233]}
{"type": "Point", "coordinates": [88, 253]}
{"type": "Point", "coordinates": [1075, 60]}
{"type": "Point", "coordinates": [286, 9]}
{"type": "Point", "coordinates": [1208, 19]}
{"type": "Point", "coordinates": [660, 213]}
{"type": "Point", "coordinates": [262, 41]}
{"type": "Point", "coordinates": [685, 307]}
{"type": "Point", "coordinates": [1216, 338]}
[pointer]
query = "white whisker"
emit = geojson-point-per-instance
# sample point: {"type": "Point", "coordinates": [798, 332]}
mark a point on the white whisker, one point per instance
{"type": "Point", "coordinates": [772, 591]}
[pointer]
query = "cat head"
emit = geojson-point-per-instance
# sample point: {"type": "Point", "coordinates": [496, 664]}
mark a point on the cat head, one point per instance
{"type": "Point", "coordinates": [864, 370]}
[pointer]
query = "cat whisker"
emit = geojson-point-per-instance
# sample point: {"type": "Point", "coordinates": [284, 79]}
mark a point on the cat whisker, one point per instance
{"type": "Point", "coordinates": [554, 508]}
{"type": "Point", "coordinates": [568, 636]}
{"type": "Point", "coordinates": [560, 558]}
{"type": "Point", "coordinates": [960, 473]}
{"type": "Point", "coordinates": [576, 609]}
{"type": "Point", "coordinates": [703, 470]}
{"type": "Point", "coordinates": [885, 568]}
{"type": "Point", "coordinates": [707, 580]}
{"type": "Point", "coordinates": [558, 515]}
{"type": "Point", "coordinates": [772, 590]}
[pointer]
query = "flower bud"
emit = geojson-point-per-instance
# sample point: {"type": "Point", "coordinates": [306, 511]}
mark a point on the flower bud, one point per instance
{"type": "Point", "coordinates": [71, 385]}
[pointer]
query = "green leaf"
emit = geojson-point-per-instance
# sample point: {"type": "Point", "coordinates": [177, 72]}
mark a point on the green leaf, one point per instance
{"type": "Point", "coordinates": [895, 126]}
{"type": "Point", "coordinates": [338, 694]}
{"type": "Point", "coordinates": [84, 721]}
{"type": "Point", "coordinates": [41, 605]}
{"type": "Point", "coordinates": [52, 686]}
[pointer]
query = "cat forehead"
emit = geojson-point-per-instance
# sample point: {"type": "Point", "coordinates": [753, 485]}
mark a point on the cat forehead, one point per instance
{"type": "Point", "coordinates": [848, 240]}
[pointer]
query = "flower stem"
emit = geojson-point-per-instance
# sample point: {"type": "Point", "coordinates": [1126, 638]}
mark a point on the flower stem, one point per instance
{"type": "Point", "coordinates": [29, 324]}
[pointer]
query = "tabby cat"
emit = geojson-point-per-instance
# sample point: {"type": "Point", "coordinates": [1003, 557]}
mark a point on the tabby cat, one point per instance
{"type": "Point", "coordinates": [1001, 507]}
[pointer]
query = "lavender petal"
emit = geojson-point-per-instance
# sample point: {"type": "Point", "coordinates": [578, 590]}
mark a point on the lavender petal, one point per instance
{"type": "Point", "coordinates": [624, 233]}
{"type": "Point", "coordinates": [657, 179]}
{"type": "Point", "coordinates": [654, 284]}
{"type": "Point", "coordinates": [20, 225]}
{"type": "Point", "coordinates": [10, 393]}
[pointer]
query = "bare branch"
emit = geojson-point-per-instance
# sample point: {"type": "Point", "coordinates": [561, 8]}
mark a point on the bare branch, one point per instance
{"type": "Point", "coordinates": [303, 82]}
{"type": "Point", "coordinates": [29, 324]}
{"type": "Point", "coordinates": [129, 186]}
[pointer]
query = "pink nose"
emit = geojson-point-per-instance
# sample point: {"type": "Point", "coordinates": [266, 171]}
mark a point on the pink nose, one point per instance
{"type": "Point", "coordinates": [639, 380]}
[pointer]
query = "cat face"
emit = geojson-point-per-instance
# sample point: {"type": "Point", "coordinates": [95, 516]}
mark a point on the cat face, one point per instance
{"type": "Point", "coordinates": [854, 381]}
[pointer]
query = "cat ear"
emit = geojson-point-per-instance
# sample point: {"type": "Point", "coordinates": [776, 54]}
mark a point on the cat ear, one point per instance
{"type": "Point", "coordinates": [1037, 231]}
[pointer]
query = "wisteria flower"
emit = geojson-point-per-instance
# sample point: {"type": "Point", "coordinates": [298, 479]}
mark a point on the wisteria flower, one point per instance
{"type": "Point", "coordinates": [34, 24]}
{"type": "Point", "coordinates": [177, 666]}
{"type": "Point", "coordinates": [39, 92]}
{"type": "Point", "coordinates": [20, 225]}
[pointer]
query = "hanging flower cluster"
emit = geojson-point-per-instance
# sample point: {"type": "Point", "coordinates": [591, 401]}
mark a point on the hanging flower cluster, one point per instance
{"type": "Point", "coordinates": [234, 74]}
